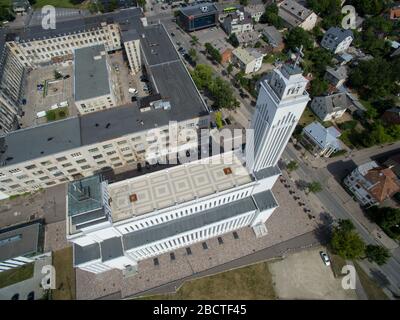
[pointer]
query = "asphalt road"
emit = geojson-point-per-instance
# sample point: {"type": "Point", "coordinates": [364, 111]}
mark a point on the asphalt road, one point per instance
{"type": "Point", "coordinates": [330, 200]}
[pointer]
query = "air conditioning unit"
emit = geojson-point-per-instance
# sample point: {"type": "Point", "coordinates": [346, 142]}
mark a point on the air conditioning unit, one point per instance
{"type": "Point", "coordinates": [204, 9]}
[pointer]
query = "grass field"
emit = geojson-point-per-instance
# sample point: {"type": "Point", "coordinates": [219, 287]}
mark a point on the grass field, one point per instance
{"type": "Point", "coordinates": [371, 288]}
{"type": "Point", "coordinates": [307, 117]}
{"type": "Point", "coordinates": [248, 283]}
{"type": "Point", "coordinates": [65, 275]}
{"type": "Point", "coordinates": [59, 4]}
{"type": "Point", "coordinates": [9, 277]}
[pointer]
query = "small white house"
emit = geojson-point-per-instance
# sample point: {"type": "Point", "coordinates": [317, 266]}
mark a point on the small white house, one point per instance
{"type": "Point", "coordinates": [248, 60]}
{"type": "Point", "coordinates": [337, 40]}
{"type": "Point", "coordinates": [330, 107]}
{"type": "Point", "coordinates": [323, 142]}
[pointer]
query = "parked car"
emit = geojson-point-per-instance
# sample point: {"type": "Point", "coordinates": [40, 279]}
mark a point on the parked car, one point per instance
{"type": "Point", "coordinates": [172, 34]}
{"type": "Point", "coordinates": [15, 297]}
{"type": "Point", "coordinates": [134, 98]}
{"type": "Point", "coordinates": [31, 295]}
{"type": "Point", "coordinates": [325, 258]}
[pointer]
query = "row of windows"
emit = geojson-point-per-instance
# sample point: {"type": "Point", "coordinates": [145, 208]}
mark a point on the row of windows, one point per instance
{"type": "Point", "coordinates": [178, 214]}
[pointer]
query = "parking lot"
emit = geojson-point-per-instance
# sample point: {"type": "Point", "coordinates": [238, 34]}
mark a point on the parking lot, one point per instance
{"type": "Point", "coordinates": [304, 275]}
{"type": "Point", "coordinates": [45, 89]}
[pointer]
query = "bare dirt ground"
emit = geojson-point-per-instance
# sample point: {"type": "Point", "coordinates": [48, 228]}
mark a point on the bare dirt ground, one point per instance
{"type": "Point", "coordinates": [303, 275]}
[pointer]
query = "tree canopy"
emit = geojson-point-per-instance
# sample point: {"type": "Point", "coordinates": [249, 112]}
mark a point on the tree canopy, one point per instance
{"type": "Point", "coordinates": [377, 254]}
{"type": "Point", "coordinates": [345, 241]}
{"type": "Point", "coordinates": [271, 16]}
{"type": "Point", "coordinates": [297, 37]}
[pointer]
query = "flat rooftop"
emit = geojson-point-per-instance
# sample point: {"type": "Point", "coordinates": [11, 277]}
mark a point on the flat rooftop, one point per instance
{"type": "Point", "coordinates": [169, 77]}
{"type": "Point", "coordinates": [196, 10]}
{"type": "Point", "coordinates": [91, 78]}
{"type": "Point", "coordinates": [179, 184]}
{"type": "Point", "coordinates": [20, 240]}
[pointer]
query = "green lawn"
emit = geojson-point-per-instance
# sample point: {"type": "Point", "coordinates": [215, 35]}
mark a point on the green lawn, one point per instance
{"type": "Point", "coordinates": [307, 117]}
{"type": "Point", "coordinates": [65, 275]}
{"type": "Point", "coordinates": [9, 277]}
{"type": "Point", "coordinates": [58, 4]}
{"type": "Point", "coordinates": [57, 114]}
{"type": "Point", "coordinates": [247, 283]}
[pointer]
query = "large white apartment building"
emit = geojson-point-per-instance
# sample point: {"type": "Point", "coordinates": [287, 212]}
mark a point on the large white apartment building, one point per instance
{"type": "Point", "coordinates": [24, 49]}
{"type": "Point", "coordinates": [60, 151]}
{"type": "Point", "coordinates": [116, 225]}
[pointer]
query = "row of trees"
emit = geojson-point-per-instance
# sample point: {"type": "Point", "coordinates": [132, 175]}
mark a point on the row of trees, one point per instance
{"type": "Point", "coordinates": [213, 52]}
{"type": "Point", "coordinates": [346, 243]}
{"type": "Point", "coordinates": [219, 89]}
{"type": "Point", "coordinates": [271, 16]}
{"type": "Point", "coordinates": [387, 218]}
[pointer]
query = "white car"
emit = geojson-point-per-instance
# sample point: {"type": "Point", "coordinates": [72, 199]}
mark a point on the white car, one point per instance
{"type": "Point", "coordinates": [325, 258]}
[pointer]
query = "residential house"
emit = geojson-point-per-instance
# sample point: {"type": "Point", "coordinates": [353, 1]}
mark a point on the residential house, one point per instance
{"type": "Point", "coordinates": [336, 77]}
{"type": "Point", "coordinates": [274, 38]}
{"type": "Point", "coordinates": [321, 141]}
{"type": "Point", "coordinates": [256, 11]}
{"type": "Point", "coordinates": [248, 60]}
{"type": "Point", "coordinates": [237, 22]}
{"type": "Point", "coordinates": [224, 48]}
{"type": "Point", "coordinates": [21, 7]}
{"type": "Point", "coordinates": [248, 38]}
{"type": "Point", "coordinates": [394, 163]}
{"type": "Point", "coordinates": [330, 107]}
{"type": "Point", "coordinates": [295, 15]}
{"type": "Point", "coordinates": [392, 116]}
{"type": "Point", "coordinates": [394, 12]}
{"type": "Point", "coordinates": [337, 40]}
{"type": "Point", "coordinates": [372, 184]}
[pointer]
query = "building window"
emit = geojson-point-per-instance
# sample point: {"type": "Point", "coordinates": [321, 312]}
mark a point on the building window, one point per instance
{"type": "Point", "coordinates": [188, 251]}
{"type": "Point", "coordinates": [172, 256]}
{"type": "Point", "coordinates": [204, 245]}
{"type": "Point", "coordinates": [235, 235]}
{"type": "Point", "coordinates": [156, 262]}
{"type": "Point", "coordinates": [220, 241]}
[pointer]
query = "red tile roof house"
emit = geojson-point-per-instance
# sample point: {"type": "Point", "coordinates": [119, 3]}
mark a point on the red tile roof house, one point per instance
{"type": "Point", "coordinates": [372, 184]}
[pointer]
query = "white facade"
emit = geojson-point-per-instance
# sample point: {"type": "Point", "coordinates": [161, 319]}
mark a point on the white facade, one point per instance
{"type": "Point", "coordinates": [248, 61]}
{"type": "Point", "coordinates": [359, 185]}
{"type": "Point", "coordinates": [280, 104]}
{"type": "Point", "coordinates": [132, 49]}
{"type": "Point", "coordinates": [8, 114]}
{"type": "Point", "coordinates": [176, 207]}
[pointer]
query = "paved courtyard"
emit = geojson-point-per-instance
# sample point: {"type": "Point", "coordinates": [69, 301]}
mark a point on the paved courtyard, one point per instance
{"type": "Point", "coordinates": [287, 222]}
{"type": "Point", "coordinates": [48, 204]}
{"type": "Point", "coordinates": [53, 91]}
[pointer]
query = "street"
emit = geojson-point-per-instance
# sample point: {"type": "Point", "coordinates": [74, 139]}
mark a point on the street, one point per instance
{"type": "Point", "coordinates": [330, 200]}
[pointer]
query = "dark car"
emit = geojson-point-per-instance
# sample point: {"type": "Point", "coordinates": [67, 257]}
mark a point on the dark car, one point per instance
{"type": "Point", "coordinates": [15, 297]}
{"type": "Point", "coordinates": [228, 121]}
{"type": "Point", "coordinates": [31, 296]}
{"type": "Point", "coordinates": [66, 76]}
{"type": "Point", "coordinates": [134, 98]}
{"type": "Point", "coordinates": [244, 95]}
{"type": "Point", "coordinates": [172, 34]}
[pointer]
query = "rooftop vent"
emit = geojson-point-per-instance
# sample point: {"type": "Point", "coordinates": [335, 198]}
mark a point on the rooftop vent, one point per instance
{"type": "Point", "coordinates": [227, 170]}
{"type": "Point", "coordinates": [133, 197]}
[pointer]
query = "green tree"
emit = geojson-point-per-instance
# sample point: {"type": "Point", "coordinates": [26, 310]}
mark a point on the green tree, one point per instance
{"type": "Point", "coordinates": [214, 53]}
{"type": "Point", "coordinates": [233, 40]}
{"type": "Point", "coordinates": [223, 94]}
{"type": "Point", "coordinates": [318, 87]}
{"type": "Point", "coordinates": [371, 7]}
{"type": "Point", "coordinates": [320, 58]}
{"type": "Point", "coordinates": [329, 10]}
{"type": "Point", "coordinates": [244, 2]}
{"type": "Point", "coordinates": [202, 75]}
{"type": "Point", "coordinates": [297, 37]}
{"type": "Point", "coordinates": [229, 69]}
{"type": "Point", "coordinates": [194, 41]}
{"type": "Point", "coordinates": [141, 3]}
{"type": "Point", "coordinates": [314, 187]}
{"type": "Point", "coordinates": [292, 166]}
{"type": "Point", "coordinates": [387, 218]}
{"type": "Point", "coordinates": [218, 119]}
{"type": "Point", "coordinates": [377, 254]}
{"type": "Point", "coordinates": [193, 54]}
{"type": "Point", "coordinates": [271, 16]}
{"type": "Point", "coordinates": [346, 243]}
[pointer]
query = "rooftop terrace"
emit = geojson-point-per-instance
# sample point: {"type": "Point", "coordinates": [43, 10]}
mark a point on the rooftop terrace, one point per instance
{"type": "Point", "coordinates": [165, 188]}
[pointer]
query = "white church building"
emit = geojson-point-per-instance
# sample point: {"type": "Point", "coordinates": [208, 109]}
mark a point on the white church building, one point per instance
{"type": "Point", "coordinates": [118, 224]}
